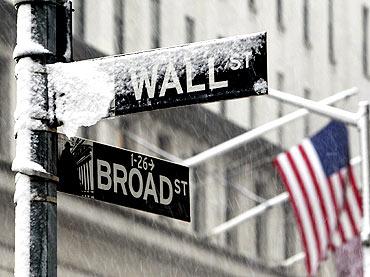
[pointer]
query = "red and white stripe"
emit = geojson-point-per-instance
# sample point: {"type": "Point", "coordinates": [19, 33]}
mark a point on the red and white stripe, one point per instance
{"type": "Point", "coordinates": [328, 209]}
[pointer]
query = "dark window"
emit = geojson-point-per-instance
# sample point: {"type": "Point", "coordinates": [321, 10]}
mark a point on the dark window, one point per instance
{"type": "Point", "coordinates": [289, 224]}
{"type": "Point", "coordinates": [231, 207]}
{"type": "Point", "coordinates": [118, 25]}
{"type": "Point", "coordinates": [164, 142]}
{"type": "Point", "coordinates": [198, 217]}
{"type": "Point", "coordinates": [155, 23]}
{"type": "Point", "coordinates": [190, 29]}
{"type": "Point", "coordinates": [252, 6]}
{"type": "Point", "coordinates": [280, 86]}
{"type": "Point", "coordinates": [5, 121]}
{"type": "Point", "coordinates": [223, 108]}
{"type": "Point", "coordinates": [365, 42]}
{"type": "Point", "coordinates": [306, 24]}
{"type": "Point", "coordinates": [307, 127]}
{"type": "Point", "coordinates": [84, 131]}
{"type": "Point", "coordinates": [331, 32]}
{"type": "Point", "coordinates": [261, 224]}
{"type": "Point", "coordinates": [279, 15]}
{"type": "Point", "coordinates": [80, 22]}
{"type": "Point", "coordinates": [280, 81]}
{"type": "Point", "coordinates": [252, 112]}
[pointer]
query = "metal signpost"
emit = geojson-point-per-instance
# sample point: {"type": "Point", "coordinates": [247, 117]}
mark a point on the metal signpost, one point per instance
{"type": "Point", "coordinates": [195, 73]}
{"type": "Point", "coordinates": [126, 178]}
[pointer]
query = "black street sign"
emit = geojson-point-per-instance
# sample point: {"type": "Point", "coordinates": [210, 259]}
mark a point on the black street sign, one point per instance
{"type": "Point", "coordinates": [195, 73]}
{"type": "Point", "coordinates": [119, 176]}
{"type": "Point", "coordinates": [199, 72]}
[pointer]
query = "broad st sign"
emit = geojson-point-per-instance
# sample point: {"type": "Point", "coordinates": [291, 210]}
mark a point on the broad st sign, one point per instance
{"type": "Point", "coordinates": [169, 77]}
{"type": "Point", "coordinates": [118, 176]}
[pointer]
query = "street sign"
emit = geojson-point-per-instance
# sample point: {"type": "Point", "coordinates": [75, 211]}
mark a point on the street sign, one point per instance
{"type": "Point", "coordinates": [126, 178]}
{"type": "Point", "coordinates": [162, 78]}
{"type": "Point", "coordinates": [195, 73]}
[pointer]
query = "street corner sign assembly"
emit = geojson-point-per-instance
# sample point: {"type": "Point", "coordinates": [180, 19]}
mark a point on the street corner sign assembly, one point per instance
{"type": "Point", "coordinates": [199, 72]}
{"type": "Point", "coordinates": [118, 176]}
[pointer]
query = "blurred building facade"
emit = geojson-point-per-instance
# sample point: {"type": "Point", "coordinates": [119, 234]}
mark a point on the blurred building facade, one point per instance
{"type": "Point", "coordinates": [315, 48]}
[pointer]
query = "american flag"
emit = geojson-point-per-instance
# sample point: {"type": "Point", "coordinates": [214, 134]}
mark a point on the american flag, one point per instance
{"type": "Point", "coordinates": [323, 192]}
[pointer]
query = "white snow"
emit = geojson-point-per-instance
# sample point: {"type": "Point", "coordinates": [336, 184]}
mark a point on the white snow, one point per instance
{"type": "Point", "coordinates": [260, 87]}
{"type": "Point", "coordinates": [26, 42]}
{"type": "Point", "coordinates": [30, 103]}
{"type": "Point", "coordinates": [29, 48]}
{"type": "Point", "coordinates": [83, 94]}
{"type": "Point", "coordinates": [23, 157]}
{"type": "Point", "coordinates": [22, 197]}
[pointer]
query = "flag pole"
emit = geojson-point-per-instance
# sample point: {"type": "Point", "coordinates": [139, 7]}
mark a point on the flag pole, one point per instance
{"type": "Point", "coordinates": [364, 126]}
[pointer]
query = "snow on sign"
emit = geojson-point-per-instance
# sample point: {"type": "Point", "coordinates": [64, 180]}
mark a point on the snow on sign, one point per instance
{"type": "Point", "coordinates": [118, 176]}
{"type": "Point", "coordinates": [168, 77]}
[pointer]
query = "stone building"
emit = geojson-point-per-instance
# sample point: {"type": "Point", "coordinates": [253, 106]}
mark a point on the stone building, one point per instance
{"type": "Point", "coordinates": [305, 58]}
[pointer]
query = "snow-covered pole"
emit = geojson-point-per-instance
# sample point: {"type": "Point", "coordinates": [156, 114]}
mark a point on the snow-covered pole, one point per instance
{"type": "Point", "coordinates": [35, 130]}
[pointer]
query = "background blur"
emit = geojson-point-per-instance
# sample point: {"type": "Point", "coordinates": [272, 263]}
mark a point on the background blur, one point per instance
{"type": "Point", "coordinates": [316, 48]}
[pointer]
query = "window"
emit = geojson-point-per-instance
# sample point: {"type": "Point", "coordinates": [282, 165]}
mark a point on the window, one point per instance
{"type": "Point", "coordinates": [5, 121]}
{"type": "Point", "coordinates": [281, 129]}
{"type": "Point", "coordinates": [289, 230]}
{"type": "Point", "coordinates": [279, 15]}
{"type": "Point", "coordinates": [223, 108]}
{"type": "Point", "coordinates": [198, 216]}
{"type": "Point", "coordinates": [252, 112]}
{"type": "Point", "coordinates": [80, 22]}
{"type": "Point", "coordinates": [280, 86]}
{"type": "Point", "coordinates": [190, 29]}
{"type": "Point", "coordinates": [252, 6]}
{"type": "Point", "coordinates": [331, 32]}
{"type": "Point", "coordinates": [365, 41]}
{"type": "Point", "coordinates": [261, 224]}
{"type": "Point", "coordinates": [118, 25]}
{"type": "Point", "coordinates": [307, 129]}
{"type": "Point", "coordinates": [155, 23]}
{"type": "Point", "coordinates": [231, 206]}
{"type": "Point", "coordinates": [164, 142]}
{"type": "Point", "coordinates": [306, 24]}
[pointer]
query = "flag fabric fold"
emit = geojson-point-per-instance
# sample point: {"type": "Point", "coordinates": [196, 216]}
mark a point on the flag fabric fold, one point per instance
{"type": "Point", "coordinates": [323, 192]}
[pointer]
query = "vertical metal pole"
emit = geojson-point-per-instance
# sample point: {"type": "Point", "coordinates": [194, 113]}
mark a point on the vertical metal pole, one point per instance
{"type": "Point", "coordinates": [364, 139]}
{"type": "Point", "coordinates": [36, 149]}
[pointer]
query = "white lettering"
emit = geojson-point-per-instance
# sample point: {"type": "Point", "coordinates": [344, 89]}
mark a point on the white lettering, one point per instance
{"type": "Point", "coordinates": [177, 186]}
{"type": "Point", "coordinates": [144, 79]}
{"type": "Point", "coordinates": [211, 71]}
{"type": "Point", "coordinates": [162, 180]}
{"type": "Point", "coordinates": [184, 183]}
{"type": "Point", "coordinates": [235, 64]}
{"type": "Point", "coordinates": [150, 188]}
{"type": "Point", "coordinates": [189, 79]}
{"type": "Point", "coordinates": [119, 180]}
{"type": "Point", "coordinates": [105, 174]}
{"type": "Point", "coordinates": [248, 56]}
{"type": "Point", "coordinates": [170, 74]}
{"type": "Point", "coordinates": [135, 171]}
